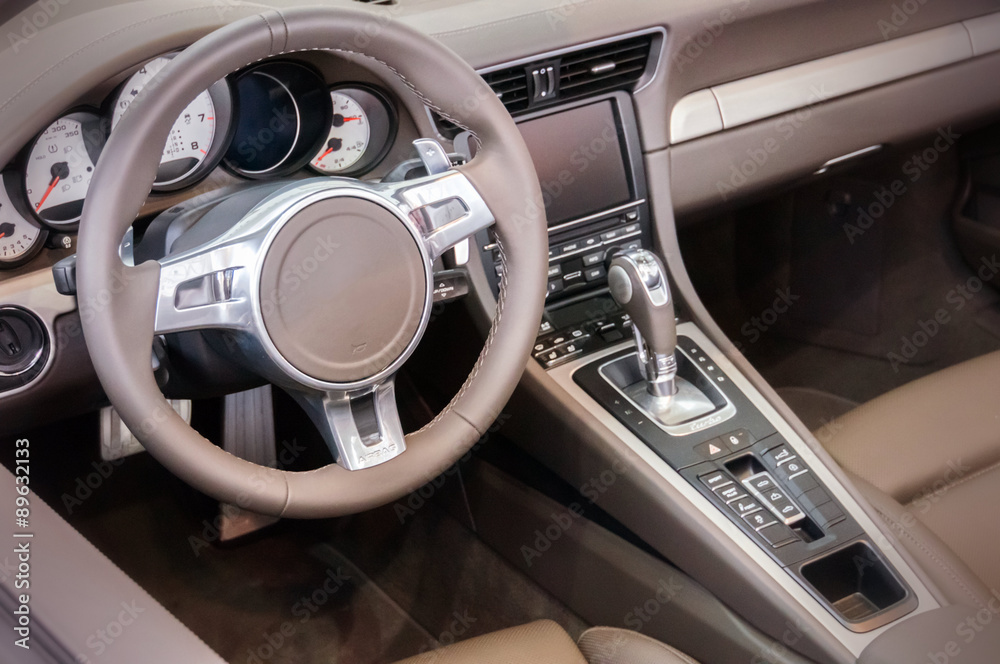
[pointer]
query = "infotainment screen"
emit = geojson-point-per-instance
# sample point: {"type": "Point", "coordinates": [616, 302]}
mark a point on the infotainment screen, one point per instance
{"type": "Point", "coordinates": [579, 159]}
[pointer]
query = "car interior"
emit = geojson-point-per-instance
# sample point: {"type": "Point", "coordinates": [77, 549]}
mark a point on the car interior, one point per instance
{"type": "Point", "coordinates": [500, 332]}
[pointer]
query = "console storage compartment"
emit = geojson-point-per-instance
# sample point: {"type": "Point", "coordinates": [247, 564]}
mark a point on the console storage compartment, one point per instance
{"type": "Point", "coordinates": [854, 581]}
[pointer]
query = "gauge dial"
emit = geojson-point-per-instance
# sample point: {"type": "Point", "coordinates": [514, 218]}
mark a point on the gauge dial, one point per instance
{"type": "Point", "coordinates": [20, 238]}
{"type": "Point", "coordinates": [191, 137]}
{"type": "Point", "coordinates": [60, 165]}
{"type": "Point", "coordinates": [349, 136]}
{"type": "Point", "coordinates": [362, 129]}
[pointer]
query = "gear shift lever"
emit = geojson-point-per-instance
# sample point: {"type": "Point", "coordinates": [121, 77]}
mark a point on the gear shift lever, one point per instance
{"type": "Point", "coordinates": [638, 283]}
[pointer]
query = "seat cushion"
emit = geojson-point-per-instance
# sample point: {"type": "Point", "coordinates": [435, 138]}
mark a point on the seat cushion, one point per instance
{"type": "Point", "coordinates": [612, 645]}
{"type": "Point", "coordinates": [932, 447]}
{"type": "Point", "coordinates": [545, 642]}
{"type": "Point", "coordinates": [925, 436]}
{"type": "Point", "coordinates": [540, 642]}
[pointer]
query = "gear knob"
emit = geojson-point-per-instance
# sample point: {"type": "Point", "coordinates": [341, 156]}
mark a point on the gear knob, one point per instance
{"type": "Point", "coordinates": [638, 283]}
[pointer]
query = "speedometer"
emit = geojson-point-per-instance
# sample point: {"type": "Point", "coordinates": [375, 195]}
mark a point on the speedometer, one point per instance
{"type": "Point", "coordinates": [59, 167]}
{"type": "Point", "coordinates": [194, 144]}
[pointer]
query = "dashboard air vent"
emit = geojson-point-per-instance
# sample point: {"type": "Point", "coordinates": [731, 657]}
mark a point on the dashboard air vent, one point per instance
{"type": "Point", "coordinates": [574, 73]}
{"type": "Point", "coordinates": [511, 85]}
{"type": "Point", "coordinates": [602, 68]}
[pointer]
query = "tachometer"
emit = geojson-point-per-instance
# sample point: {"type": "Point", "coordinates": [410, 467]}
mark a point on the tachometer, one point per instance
{"type": "Point", "coordinates": [194, 145]}
{"type": "Point", "coordinates": [20, 238]}
{"type": "Point", "coordinates": [59, 167]}
{"type": "Point", "coordinates": [361, 132]}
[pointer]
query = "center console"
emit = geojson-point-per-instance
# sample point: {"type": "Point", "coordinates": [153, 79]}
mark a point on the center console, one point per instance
{"type": "Point", "coordinates": [589, 164]}
{"type": "Point", "coordinates": [738, 465]}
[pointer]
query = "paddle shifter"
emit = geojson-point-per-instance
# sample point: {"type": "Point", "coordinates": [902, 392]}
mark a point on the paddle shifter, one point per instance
{"type": "Point", "coordinates": [638, 283]}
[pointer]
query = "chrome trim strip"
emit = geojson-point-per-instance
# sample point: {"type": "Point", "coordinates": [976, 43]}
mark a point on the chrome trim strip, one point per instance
{"type": "Point", "coordinates": [597, 215]}
{"type": "Point", "coordinates": [686, 428]}
{"type": "Point", "coordinates": [847, 157]}
{"type": "Point", "coordinates": [852, 641]}
{"type": "Point", "coordinates": [772, 93]}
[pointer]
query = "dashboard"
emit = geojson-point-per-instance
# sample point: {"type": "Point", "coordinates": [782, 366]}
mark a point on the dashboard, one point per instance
{"type": "Point", "coordinates": [281, 118]}
{"type": "Point", "coordinates": [672, 140]}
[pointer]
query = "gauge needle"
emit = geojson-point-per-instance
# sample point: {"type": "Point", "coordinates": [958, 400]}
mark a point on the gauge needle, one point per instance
{"type": "Point", "coordinates": [52, 186]}
{"type": "Point", "coordinates": [59, 171]}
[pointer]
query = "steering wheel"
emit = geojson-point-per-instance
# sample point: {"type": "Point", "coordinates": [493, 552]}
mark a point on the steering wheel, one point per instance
{"type": "Point", "coordinates": [336, 339]}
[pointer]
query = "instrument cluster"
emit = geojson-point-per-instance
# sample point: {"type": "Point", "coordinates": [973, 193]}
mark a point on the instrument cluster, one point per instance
{"type": "Point", "coordinates": [270, 120]}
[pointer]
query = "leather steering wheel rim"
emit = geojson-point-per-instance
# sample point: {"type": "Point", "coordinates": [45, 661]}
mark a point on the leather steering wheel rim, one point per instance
{"type": "Point", "coordinates": [118, 302]}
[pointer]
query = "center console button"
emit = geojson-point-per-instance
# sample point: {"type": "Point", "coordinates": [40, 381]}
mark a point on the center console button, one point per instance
{"type": "Point", "coordinates": [730, 492]}
{"type": "Point", "coordinates": [632, 215]}
{"type": "Point", "coordinates": [593, 259]}
{"type": "Point", "coordinates": [758, 520]}
{"type": "Point", "coordinates": [777, 535]}
{"type": "Point", "coordinates": [801, 482]}
{"type": "Point", "coordinates": [556, 286]}
{"type": "Point", "coordinates": [779, 455]}
{"type": "Point", "coordinates": [784, 508]}
{"type": "Point", "coordinates": [737, 440]}
{"type": "Point", "coordinates": [555, 271]}
{"type": "Point", "coordinates": [595, 273]}
{"type": "Point", "coordinates": [633, 244]}
{"type": "Point", "coordinates": [716, 479]}
{"type": "Point", "coordinates": [712, 449]}
{"type": "Point", "coordinates": [744, 505]}
{"type": "Point", "coordinates": [760, 482]}
{"type": "Point", "coordinates": [828, 514]}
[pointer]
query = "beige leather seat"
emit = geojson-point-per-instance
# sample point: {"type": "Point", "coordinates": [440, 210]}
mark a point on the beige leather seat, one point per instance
{"type": "Point", "coordinates": [927, 456]}
{"type": "Point", "coordinates": [545, 642]}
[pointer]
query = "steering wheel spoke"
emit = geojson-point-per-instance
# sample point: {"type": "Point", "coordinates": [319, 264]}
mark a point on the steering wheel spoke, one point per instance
{"type": "Point", "coordinates": [362, 429]}
{"type": "Point", "coordinates": [205, 289]}
{"type": "Point", "coordinates": [445, 207]}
